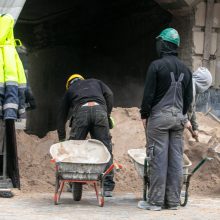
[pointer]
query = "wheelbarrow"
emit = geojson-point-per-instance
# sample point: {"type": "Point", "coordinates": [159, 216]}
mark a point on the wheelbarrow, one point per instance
{"type": "Point", "coordinates": [79, 162]}
{"type": "Point", "coordinates": [141, 163]}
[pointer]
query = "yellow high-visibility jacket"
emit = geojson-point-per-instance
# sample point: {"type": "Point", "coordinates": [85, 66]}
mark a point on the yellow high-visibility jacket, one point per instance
{"type": "Point", "coordinates": [12, 75]}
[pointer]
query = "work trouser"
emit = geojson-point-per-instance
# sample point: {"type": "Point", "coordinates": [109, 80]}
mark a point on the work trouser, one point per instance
{"type": "Point", "coordinates": [165, 150]}
{"type": "Point", "coordinates": [93, 120]}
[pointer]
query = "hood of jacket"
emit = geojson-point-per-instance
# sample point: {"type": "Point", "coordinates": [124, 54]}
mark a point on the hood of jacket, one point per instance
{"type": "Point", "coordinates": [164, 48]}
{"type": "Point", "coordinates": [202, 79]}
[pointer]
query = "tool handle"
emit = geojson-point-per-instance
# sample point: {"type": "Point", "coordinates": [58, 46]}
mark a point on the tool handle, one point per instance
{"type": "Point", "coordinates": [117, 166]}
{"type": "Point", "coordinates": [193, 134]}
{"type": "Point", "coordinates": [199, 165]}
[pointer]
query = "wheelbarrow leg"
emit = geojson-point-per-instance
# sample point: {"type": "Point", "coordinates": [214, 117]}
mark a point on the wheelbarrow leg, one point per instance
{"type": "Point", "coordinates": [96, 191]}
{"type": "Point", "coordinates": [57, 186]}
{"type": "Point", "coordinates": [146, 181]}
{"type": "Point", "coordinates": [102, 198]}
{"type": "Point", "coordinates": [58, 189]}
{"type": "Point", "coordinates": [186, 194]}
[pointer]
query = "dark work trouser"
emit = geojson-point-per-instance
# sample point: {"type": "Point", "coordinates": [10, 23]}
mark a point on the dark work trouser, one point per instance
{"type": "Point", "coordinates": [94, 120]}
{"type": "Point", "coordinates": [165, 149]}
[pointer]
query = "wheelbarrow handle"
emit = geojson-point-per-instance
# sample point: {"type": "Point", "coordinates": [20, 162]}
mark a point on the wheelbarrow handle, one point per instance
{"type": "Point", "coordinates": [114, 165]}
{"type": "Point", "coordinates": [117, 167]}
{"type": "Point", "coordinates": [200, 164]}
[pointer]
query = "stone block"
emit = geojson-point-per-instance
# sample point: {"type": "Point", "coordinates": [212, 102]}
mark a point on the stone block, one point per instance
{"type": "Point", "coordinates": [212, 69]}
{"type": "Point", "coordinates": [198, 42]}
{"type": "Point", "coordinates": [216, 18]}
{"type": "Point", "coordinates": [200, 12]}
{"type": "Point", "coordinates": [214, 44]}
{"type": "Point", "coordinates": [196, 62]}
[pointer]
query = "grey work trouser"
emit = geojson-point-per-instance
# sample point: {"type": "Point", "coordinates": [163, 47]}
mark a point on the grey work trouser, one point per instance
{"type": "Point", "coordinates": [165, 149]}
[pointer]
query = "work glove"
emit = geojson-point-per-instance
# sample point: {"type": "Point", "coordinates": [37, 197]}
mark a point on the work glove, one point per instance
{"type": "Point", "coordinates": [111, 122]}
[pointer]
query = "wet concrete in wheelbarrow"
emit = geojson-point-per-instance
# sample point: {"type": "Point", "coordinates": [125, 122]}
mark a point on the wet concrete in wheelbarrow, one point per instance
{"type": "Point", "coordinates": [121, 206]}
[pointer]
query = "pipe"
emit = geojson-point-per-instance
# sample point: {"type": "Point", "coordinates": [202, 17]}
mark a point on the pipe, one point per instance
{"type": "Point", "coordinates": [4, 158]}
{"type": "Point", "coordinates": [208, 33]}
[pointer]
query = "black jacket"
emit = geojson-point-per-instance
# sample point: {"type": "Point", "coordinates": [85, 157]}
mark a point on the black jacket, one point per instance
{"type": "Point", "coordinates": [79, 93]}
{"type": "Point", "coordinates": [158, 81]}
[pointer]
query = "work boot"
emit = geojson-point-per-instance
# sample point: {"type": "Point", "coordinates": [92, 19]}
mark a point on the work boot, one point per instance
{"type": "Point", "coordinates": [173, 207]}
{"type": "Point", "coordinates": [70, 188]}
{"type": "Point", "coordinates": [148, 206]}
{"type": "Point", "coordinates": [107, 193]}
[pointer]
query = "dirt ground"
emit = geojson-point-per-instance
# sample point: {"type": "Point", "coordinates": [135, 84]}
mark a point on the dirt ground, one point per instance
{"type": "Point", "coordinates": [37, 172]}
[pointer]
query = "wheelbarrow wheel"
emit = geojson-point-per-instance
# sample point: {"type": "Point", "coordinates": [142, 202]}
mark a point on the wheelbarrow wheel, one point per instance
{"type": "Point", "coordinates": [77, 191]}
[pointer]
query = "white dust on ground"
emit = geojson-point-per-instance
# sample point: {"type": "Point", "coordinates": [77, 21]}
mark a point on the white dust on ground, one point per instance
{"type": "Point", "coordinates": [38, 175]}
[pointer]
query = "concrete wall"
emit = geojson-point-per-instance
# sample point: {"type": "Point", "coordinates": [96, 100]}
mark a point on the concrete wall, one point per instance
{"type": "Point", "coordinates": [198, 41]}
{"type": "Point", "coordinates": [184, 25]}
{"type": "Point", "coordinates": [210, 98]}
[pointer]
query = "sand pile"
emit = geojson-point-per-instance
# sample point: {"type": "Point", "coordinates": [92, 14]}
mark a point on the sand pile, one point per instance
{"type": "Point", "coordinates": [37, 173]}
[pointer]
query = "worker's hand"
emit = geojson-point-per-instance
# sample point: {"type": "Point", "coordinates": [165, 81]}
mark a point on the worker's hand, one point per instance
{"type": "Point", "coordinates": [188, 125]}
{"type": "Point", "coordinates": [144, 121]}
{"type": "Point", "coordinates": [196, 132]}
{"type": "Point", "coordinates": [195, 135]}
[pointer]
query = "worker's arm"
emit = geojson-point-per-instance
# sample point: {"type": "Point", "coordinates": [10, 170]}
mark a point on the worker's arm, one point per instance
{"type": "Point", "coordinates": [62, 116]}
{"type": "Point", "coordinates": [149, 92]}
{"type": "Point", "coordinates": [188, 95]}
{"type": "Point", "coordinates": [193, 121]}
{"type": "Point", "coordinates": [108, 95]}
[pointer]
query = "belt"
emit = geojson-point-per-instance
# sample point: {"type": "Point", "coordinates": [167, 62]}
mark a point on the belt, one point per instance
{"type": "Point", "coordinates": [90, 104]}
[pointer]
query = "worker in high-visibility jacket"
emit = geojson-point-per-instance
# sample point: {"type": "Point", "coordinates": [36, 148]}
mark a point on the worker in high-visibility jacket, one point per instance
{"type": "Point", "coordinates": [12, 75]}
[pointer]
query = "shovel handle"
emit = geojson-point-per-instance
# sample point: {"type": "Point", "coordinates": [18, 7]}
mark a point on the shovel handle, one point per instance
{"type": "Point", "coordinates": [193, 134]}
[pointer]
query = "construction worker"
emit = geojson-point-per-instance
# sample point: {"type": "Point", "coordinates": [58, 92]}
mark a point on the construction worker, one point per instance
{"type": "Point", "coordinates": [12, 103]}
{"type": "Point", "coordinates": [167, 97]}
{"type": "Point", "coordinates": [91, 102]}
{"type": "Point", "coordinates": [202, 80]}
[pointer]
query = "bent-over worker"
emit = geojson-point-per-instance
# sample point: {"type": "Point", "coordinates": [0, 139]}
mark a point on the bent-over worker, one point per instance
{"type": "Point", "coordinates": [91, 102]}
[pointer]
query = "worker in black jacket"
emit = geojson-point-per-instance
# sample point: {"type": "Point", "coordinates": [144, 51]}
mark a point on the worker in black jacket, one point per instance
{"type": "Point", "coordinates": [91, 102]}
{"type": "Point", "coordinates": [167, 97]}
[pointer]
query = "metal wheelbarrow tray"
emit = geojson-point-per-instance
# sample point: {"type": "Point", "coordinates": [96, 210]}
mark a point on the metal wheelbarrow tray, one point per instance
{"type": "Point", "coordinates": [79, 162]}
{"type": "Point", "coordinates": [142, 167]}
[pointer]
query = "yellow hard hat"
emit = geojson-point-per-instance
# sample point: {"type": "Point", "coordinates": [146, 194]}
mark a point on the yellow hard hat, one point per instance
{"type": "Point", "coordinates": [74, 76]}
